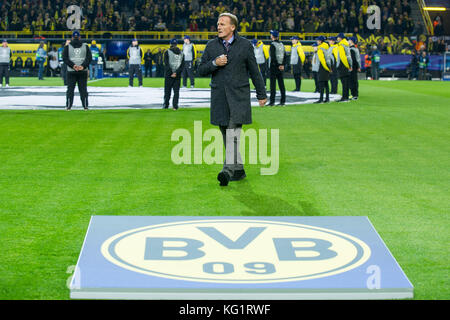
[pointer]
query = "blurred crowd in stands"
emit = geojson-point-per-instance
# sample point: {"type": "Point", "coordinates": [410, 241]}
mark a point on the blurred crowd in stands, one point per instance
{"type": "Point", "coordinates": [299, 16]}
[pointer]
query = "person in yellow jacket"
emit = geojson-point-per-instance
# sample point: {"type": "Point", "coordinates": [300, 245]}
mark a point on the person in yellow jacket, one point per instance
{"type": "Point", "coordinates": [344, 65]}
{"type": "Point", "coordinates": [261, 55]}
{"type": "Point", "coordinates": [296, 61]}
{"type": "Point", "coordinates": [324, 69]}
{"type": "Point", "coordinates": [333, 53]}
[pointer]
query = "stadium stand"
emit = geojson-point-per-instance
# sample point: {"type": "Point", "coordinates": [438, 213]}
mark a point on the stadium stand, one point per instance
{"type": "Point", "coordinates": [405, 26]}
{"type": "Point", "coordinates": [301, 16]}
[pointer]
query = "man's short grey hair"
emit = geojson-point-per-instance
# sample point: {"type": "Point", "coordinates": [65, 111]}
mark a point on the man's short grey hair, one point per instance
{"type": "Point", "coordinates": [233, 18]}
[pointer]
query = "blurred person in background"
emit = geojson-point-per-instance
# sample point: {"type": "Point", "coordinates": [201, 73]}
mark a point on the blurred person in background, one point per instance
{"type": "Point", "coordinates": [41, 56]}
{"type": "Point", "coordinates": [5, 59]}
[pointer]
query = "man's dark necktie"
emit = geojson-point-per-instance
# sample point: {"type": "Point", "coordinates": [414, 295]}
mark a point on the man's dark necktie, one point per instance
{"type": "Point", "coordinates": [227, 46]}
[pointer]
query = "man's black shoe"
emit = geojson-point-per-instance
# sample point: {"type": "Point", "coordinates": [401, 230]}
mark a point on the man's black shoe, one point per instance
{"type": "Point", "coordinates": [271, 104]}
{"type": "Point", "coordinates": [238, 175]}
{"type": "Point", "coordinates": [280, 104]}
{"type": "Point", "coordinates": [223, 178]}
{"type": "Point", "coordinates": [327, 100]}
{"type": "Point", "coordinates": [343, 100]}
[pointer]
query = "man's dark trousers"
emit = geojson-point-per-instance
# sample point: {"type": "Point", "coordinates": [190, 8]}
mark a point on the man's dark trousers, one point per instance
{"type": "Point", "coordinates": [169, 84]}
{"type": "Point", "coordinates": [74, 78]}
{"type": "Point", "coordinates": [334, 80]}
{"type": "Point", "coordinates": [344, 75]}
{"type": "Point", "coordinates": [135, 69]}
{"type": "Point", "coordinates": [274, 77]}
{"type": "Point", "coordinates": [4, 71]}
{"type": "Point", "coordinates": [188, 71]}
{"type": "Point", "coordinates": [64, 73]}
{"type": "Point", "coordinates": [354, 83]}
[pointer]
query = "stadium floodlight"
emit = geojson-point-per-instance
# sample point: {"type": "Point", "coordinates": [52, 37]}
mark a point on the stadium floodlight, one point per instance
{"type": "Point", "coordinates": [434, 8]}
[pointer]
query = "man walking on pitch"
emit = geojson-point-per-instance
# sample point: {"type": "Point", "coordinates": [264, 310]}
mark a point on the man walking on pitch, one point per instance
{"type": "Point", "coordinates": [5, 58]}
{"type": "Point", "coordinates": [230, 60]}
{"type": "Point", "coordinates": [173, 62]}
{"type": "Point", "coordinates": [77, 56]}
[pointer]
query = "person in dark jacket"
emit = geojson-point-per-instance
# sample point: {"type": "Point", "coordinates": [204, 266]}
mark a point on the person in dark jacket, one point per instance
{"type": "Point", "coordinates": [230, 60]}
{"type": "Point", "coordinates": [174, 63]}
{"type": "Point", "coordinates": [414, 65]}
{"type": "Point", "coordinates": [148, 63]}
{"type": "Point", "coordinates": [77, 57]}
{"type": "Point", "coordinates": [356, 63]}
{"type": "Point", "coordinates": [277, 58]}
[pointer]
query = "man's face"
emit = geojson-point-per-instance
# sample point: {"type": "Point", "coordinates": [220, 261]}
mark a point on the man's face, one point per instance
{"type": "Point", "coordinates": [186, 41]}
{"type": "Point", "coordinates": [224, 28]}
{"type": "Point", "coordinates": [294, 41]}
{"type": "Point", "coordinates": [4, 44]}
{"type": "Point", "coordinates": [134, 43]}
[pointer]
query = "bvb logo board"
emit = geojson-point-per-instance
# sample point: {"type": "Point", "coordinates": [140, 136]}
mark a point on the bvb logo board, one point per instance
{"type": "Point", "coordinates": [180, 257]}
{"type": "Point", "coordinates": [235, 251]}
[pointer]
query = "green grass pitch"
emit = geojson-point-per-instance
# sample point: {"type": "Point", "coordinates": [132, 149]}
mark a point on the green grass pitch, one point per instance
{"type": "Point", "coordinates": [385, 156]}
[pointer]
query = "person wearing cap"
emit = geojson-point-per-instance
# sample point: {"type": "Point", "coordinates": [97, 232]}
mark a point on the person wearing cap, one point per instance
{"type": "Point", "coordinates": [356, 63]}
{"type": "Point", "coordinates": [135, 55]}
{"type": "Point", "coordinates": [261, 55]}
{"type": "Point", "coordinates": [41, 56]}
{"type": "Point", "coordinates": [5, 60]}
{"type": "Point", "coordinates": [344, 65]}
{"type": "Point", "coordinates": [315, 65]}
{"type": "Point", "coordinates": [277, 60]}
{"type": "Point", "coordinates": [230, 61]}
{"type": "Point", "coordinates": [333, 54]}
{"type": "Point", "coordinates": [93, 66]}
{"type": "Point", "coordinates": [323, 75]}
{"type": "Point", "coordinates": [297, 60]}
{"type": "Point", "coordinates": [77, 56]}
{"type": "Point", "coordinates": [173, 63]}
{"type": "Point", "coordinates": [190, 54]}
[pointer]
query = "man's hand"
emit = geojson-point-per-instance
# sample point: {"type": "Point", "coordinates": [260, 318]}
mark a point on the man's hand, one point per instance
{"type": "Point", "coordinates": [80, 68]}
{"type": "Point", "coordinates": [350, 69]}
{"type": "Point", "coordinates": [262, 102]}
{"type": "Point", "coordinates": [221, 60]}
{"type": "Point", "coordinates": [281, 68]}
{"type": "Point", "coordinates": [173, 75]}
